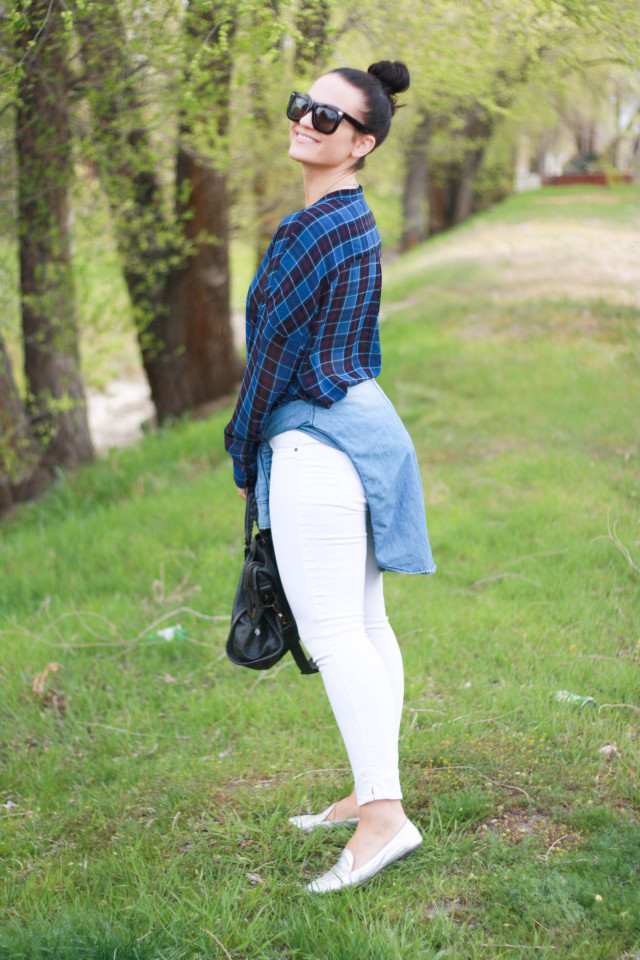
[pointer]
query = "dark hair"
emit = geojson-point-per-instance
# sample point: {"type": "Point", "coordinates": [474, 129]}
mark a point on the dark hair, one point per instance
{"type": "Point", "coordinates": [382, 81]}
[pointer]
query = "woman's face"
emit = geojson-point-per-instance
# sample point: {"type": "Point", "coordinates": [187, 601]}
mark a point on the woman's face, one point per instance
{"type": "Point", "coordinates": [346, 144]}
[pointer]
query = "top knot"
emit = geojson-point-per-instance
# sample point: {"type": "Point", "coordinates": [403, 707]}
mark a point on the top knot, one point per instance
{"type": "Point", "coordinates": [379, 86]}
{"type": "Point", "coordinates": [393, 75]}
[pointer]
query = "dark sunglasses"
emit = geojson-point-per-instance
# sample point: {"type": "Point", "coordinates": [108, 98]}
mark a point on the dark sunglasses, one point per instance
{"type": "Point", "coordinates": [324, 117]}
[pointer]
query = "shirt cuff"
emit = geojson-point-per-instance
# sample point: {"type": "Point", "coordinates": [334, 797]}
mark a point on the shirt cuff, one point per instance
{"type": "Point", "coordinates": [241, 477]}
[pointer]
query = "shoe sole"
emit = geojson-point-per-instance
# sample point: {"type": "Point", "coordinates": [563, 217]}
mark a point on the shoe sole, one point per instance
{"type": "Point", "coordinates": [325, 825]}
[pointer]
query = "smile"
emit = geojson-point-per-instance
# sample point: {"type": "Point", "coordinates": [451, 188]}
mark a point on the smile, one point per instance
{"type": "Point", "coordinates": [304, 138]}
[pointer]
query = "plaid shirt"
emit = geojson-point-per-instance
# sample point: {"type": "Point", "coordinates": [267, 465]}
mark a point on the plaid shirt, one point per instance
{"type": "Point", "coordinates": [312, 318]}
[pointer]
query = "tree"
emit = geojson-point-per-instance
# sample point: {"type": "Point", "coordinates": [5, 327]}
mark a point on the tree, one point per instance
{"type": "Point", "coordinates": [491, 51]}
{"type": "Point", "coordinates": [56, 402]}
{"type": "Point", "coordinates": [265, 207]}
{"type": "Point", "coordinates": [469, 61]}
{"type": "Point", "coordinates": [199, 290]}
{"type": "Point", "coordinates": [175, 265]}
{"type": "Point", "coordinates": [312, 20]}
{"type": "Point", "coordinates": [21, 474]}
{"type": "Point", "coordinates": [415, 198]}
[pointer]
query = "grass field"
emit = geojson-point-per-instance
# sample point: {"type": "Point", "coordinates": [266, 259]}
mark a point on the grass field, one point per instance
{"type": "Point", "coordinates": [145, 784]}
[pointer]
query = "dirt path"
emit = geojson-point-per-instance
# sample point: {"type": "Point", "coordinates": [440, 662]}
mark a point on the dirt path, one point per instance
{"type": "Point", "coordinates": [541, 259]}
{"type": "Point", "coordinates": [537, 259]}
{"type": "Point", "coordinates": [116, 414]}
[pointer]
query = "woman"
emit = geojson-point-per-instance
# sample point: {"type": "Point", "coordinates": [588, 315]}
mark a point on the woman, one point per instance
{"type": "Point", "coordinates": [335, 471]}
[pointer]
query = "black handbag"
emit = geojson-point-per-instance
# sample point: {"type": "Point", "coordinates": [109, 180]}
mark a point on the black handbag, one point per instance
{"type": "Point", "coordinates": [263, 628]}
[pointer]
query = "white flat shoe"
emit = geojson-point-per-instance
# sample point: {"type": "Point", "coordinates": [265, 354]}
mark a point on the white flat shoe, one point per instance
{"type": "Point", "coordinates": [407, 839]}
{"type": "Point", "coordinates": [313, 821]}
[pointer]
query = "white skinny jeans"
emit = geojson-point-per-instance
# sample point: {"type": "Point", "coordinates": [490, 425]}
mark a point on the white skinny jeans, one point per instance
{"type": "Point", "coordinates": [324, 548]}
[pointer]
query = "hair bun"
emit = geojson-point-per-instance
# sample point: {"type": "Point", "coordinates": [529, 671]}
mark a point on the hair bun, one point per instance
{"type": "Point", "coordinates": [394, 76]}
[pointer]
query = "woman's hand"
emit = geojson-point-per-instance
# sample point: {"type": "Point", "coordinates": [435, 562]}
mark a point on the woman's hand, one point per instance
{"type": "Point", "coordinates": [242, 492]}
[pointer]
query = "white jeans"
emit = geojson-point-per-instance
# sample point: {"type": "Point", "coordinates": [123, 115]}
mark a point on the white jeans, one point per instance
{"type": "Point", "coordinates": [324, 548]}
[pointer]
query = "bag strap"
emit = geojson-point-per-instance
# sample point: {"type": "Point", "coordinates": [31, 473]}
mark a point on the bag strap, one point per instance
{"type": "Point", "coordinates": [250, 517]}
{"type": "Point", "coordinates": [305, 665]}
{"type": "Point", "coordinates": [292, 640]}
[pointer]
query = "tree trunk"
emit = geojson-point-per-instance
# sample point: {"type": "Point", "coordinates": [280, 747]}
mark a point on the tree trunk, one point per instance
{"type": "Point", "coordinates": [451, 185]}
{"type": "Point", "coordinates": [441, 195]}
{"type": "Point", "coordinates": [21, 475]}
{"type": "Point", "coordinates": [585, 134]}
{"type": "Point", "coordinates": [126, 166]}
{"type": "Point", "coordinates": [312, 20]}
{"type": "Point", "coordinates": [199, 291]}
{"type": "Point", "coordinates": [267, 198]}
{"type": "Point", "coordinates": [178, 285]}
{"type": "Point", "coordinates": [267, 214]}
{"type": "Point", "coordinates": [415, 202]}
{"type": "Point", "coordinates": [43, 143]}
{"type": "Point", "coordinates": [464, 191]}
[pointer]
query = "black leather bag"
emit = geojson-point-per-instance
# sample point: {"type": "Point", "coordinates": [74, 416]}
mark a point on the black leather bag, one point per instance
{"type": "Point", "coordinates": [263, 628]}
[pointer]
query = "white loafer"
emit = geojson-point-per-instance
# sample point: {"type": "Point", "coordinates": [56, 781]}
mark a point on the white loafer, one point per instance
{"type": "Point", "coordinates": [312, 821]}
{"type": "Point", "coordinates": [407, 839]}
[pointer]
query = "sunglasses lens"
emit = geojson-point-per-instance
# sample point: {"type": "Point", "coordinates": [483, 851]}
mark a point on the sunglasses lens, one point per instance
{"type": "Point", "coordinates": [326, 119]}
{"type": "Point", "coordinates": [298, 106]}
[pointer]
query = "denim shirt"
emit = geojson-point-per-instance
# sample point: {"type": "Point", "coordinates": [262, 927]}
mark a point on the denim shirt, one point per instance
{"type": "Point", "coordinates": [365, 425]}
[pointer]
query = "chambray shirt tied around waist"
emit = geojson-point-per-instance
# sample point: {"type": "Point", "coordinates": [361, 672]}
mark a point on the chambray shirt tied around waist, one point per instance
{"type": "Point", "coordinates": [365, 425]}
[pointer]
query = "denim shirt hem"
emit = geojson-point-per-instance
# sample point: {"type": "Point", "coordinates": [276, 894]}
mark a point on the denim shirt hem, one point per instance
{"type": "Point", "coordinates": [388, 468]}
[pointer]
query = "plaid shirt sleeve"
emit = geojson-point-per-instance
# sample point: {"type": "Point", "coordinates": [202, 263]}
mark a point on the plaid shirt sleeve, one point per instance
{"type": "Point", "coordinates": [304, 327]}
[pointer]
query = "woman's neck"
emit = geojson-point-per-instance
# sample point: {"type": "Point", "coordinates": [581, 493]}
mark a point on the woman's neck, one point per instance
{"type": "Point", "coordinates": [318, 182]}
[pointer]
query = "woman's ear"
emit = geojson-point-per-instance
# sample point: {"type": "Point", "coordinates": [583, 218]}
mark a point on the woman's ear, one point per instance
{"type": "Point", "coordinates": [364, 145]}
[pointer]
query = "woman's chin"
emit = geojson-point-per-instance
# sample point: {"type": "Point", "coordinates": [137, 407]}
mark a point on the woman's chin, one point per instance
{"type": "Point", "coordinates": [299, 156]}
{"type": "Point", "coordinates": [298, 152]}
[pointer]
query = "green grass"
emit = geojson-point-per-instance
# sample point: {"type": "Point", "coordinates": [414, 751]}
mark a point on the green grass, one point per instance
{"type": "Point", "coordinates": [615, 204]}
{"type": "Point", "coordinates": [145, 784]}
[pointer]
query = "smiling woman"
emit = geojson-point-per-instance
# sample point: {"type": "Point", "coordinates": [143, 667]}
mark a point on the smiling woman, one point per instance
{"type": "Point", "coordinates": [321, 142]}
{"type": "Point", "coordinates": [329, 149]}
{"type": "Point", "coordinates": [335, 472]}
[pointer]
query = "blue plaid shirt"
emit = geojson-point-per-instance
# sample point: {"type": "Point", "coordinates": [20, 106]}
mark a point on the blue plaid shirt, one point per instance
{"type": "Point", "coordinates": [312, 318]}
